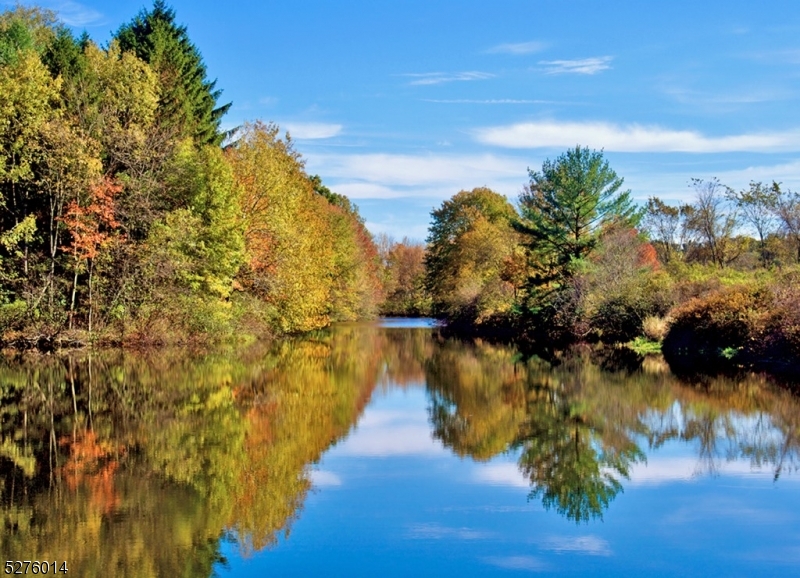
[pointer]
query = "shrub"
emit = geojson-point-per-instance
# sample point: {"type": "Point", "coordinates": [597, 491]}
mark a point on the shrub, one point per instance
{"type": "Point", "coordinates": [656, 327]}
{"type": "Point", "coordinates": [728, 318]}
{"type": "Point", "coordinates": [781, 329]}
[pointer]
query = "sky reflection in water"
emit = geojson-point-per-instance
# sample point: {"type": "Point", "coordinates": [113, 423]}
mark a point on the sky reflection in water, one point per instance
{"type": "Point", "coordinates": [385, 449]}
{"type": "Point", "coordinates": [392, 500]}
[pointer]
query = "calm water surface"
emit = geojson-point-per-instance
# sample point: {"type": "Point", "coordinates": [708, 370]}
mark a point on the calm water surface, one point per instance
{"type": "Point", "coordinates": [385, 449]}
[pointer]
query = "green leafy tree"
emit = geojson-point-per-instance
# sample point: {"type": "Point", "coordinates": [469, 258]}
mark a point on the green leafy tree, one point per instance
{"type": "Point", "coordinates": [25, 29]}
{"type": "Point", "coordinates": [563, 209]}
{"type": "Point", "coordinates": [193, 254]}
{"type": "Point", "coordinates": [188, 100]}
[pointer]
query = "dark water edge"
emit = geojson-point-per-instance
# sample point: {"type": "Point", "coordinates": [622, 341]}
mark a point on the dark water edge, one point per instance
{"type": "Point", "coordinates": [275, 457]}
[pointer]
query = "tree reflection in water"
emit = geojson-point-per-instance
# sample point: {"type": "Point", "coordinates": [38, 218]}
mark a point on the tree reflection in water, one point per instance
{"type": "Point", "coordinates": [142, 465]}
{"type": "Point", "coordinates": [132, 465]}
{"type": "Point", "coordinates": [581, 421]}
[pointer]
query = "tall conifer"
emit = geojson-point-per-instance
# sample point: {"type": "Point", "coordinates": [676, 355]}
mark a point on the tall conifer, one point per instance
{"type": "Point", "coordinates": [188, 102]}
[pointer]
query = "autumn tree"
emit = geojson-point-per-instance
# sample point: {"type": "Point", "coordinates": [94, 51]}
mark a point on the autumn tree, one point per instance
{"type": "Point", "coordinates": [90, 222]}
{"type": "Point", "coordinates": [404, 279]}
{"type": "Point", "coordinates": [787, 209]}
{"type": "Point", "coordinates": [470, 240]}
{"type": "Point", "coordinates": [757, 208]}
{"type": "Point", "coordinates": [663, 223]}
{"type": "Point", "coordinates": [713, 222]}
{"type": "Point", "coordinates": [287, 265]}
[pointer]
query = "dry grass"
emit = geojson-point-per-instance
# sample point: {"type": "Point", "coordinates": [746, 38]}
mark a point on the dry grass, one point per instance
{"type": "Point", "coordinates": [656, 327]}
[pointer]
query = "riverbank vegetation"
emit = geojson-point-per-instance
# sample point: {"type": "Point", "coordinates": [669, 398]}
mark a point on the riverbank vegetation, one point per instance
{"type": "Point", "coordinates": [576, 261]}
{"type": "Point", "coordinates": [128, 214]}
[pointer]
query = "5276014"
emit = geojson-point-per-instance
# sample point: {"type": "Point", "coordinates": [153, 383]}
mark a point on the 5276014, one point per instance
{"type": "Point", "coordinates": [33, 567]}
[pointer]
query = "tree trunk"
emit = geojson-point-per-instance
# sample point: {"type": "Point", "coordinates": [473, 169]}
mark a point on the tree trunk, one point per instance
{"type": "Point", "coordinates": [74, 291]}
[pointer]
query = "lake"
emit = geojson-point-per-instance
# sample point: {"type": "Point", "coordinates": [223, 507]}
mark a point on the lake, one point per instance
{"type": "Point", "coordinates": [387, 449]}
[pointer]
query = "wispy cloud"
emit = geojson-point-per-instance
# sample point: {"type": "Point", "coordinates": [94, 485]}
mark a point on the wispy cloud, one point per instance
{"type": "Point", "coordinates": [500, 474]}
{"type": "Point", "coordinates": [788, 174]}
{"type": "Point", "coordinates": [384, 433]}
{"type": "Point", "coordinates": [518, 48]}
{"type": "Point", "coordinates": [438, 532]}
{"type": "Point", "coordinates": [429, 78]}
{"type": "Point", "coordinates": [590, 545]}
{"type": "Point", "coordinates": [632, 138]}
{"type": "Point", "coordinates": [325, 478]}
{"type": "Point", "coordinates": [74, 13]}
{"type": "Point", "coordinates": [312, 130]}
{"type": "Point", "coordinates": [724, 101]}
{"type": "Point", "coordinates": [488, 101]}
{"type": "Point", "coordinates": [391, 171]}
{"type": "Point", "coordinates": [580, 66]}
{"type": "Point", "coordinates": [528, 563]}
{"type": "Point", "coordinates": [776, 57]}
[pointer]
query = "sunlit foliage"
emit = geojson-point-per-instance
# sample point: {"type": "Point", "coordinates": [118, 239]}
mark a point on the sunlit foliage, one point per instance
{"type": "Point", "coordinates": [121, 218]}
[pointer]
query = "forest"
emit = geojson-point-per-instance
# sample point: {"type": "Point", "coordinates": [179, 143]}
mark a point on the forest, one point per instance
{"type": "Point", "coordinates": [128, 216]}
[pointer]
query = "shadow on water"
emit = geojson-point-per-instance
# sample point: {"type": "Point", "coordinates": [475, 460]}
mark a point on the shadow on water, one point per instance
{"type": "Point", "coordinates": [143, 465]}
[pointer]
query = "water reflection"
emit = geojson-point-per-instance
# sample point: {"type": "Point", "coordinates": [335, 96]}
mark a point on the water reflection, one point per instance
{"type": "Point", "coordinates": [144, 465]}
{"type": "Point", "coordinates": [140, 466]}
{"type": "Point", "coordinates": [583, 423]}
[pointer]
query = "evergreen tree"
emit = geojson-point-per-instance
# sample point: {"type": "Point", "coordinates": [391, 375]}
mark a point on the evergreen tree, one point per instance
{"type": "Point", "coordinates": [188, 103]}
{"type": "Point", "coordinates": [562, 210]}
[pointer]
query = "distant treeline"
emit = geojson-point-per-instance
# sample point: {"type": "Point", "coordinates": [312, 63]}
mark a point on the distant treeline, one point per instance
{"type": "Point", "coordinates": [128, 215]}
{"type": "Point", "coordinates": [576, 260]}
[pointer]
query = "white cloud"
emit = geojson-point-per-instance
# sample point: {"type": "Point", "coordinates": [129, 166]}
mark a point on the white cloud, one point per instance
{"type": "Point", "coordinates": [312, 130]}
{"type": "Point", "coordinates": [488, 101]}
{"type": "Point", "coordinates": [438, 532]}
{"type": "Point", "coordinates": [632, 138]}
{"type": "Point", "coordinates": [428, 78]}
{"type": "Point", "coordinates": [579, 66]}
{"type": "Point", "coordinates": [383, 433]}
{"type": "Point", "coordinates": [366, 191]}
{"type": "Point", "coordinates": [788, 174]}
{"type": "Point", "coordinates": [500, 474]}
{"type": "Point", "coordinates": [518, 48]}
{"type": "Point", "coordinates": [399, 230]}
{"type": "Point", "coordinates": [663, 470]}
{"type": "Point", "coordinates": [590, 545]}
{"type": "Point", "coordinates": [517, 563]}
{"type": "Point", "coordinates": [325, 478]}
{"type": "Point", "coordinates": [725, 100]}
{"type": "Point", "coordinates": [390, 171]}
{"type": "Point", "coordinates": [73, 13]}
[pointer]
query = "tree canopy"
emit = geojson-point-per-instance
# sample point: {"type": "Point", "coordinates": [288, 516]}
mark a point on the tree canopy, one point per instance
{"type": "Point", "coordinates": [188, 101]}
{"type": "Point", "coordinates": [563, 208]}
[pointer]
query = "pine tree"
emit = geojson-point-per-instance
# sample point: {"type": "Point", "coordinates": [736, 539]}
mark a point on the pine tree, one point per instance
{"type": "Point", "coordinates": [188, 103]}
{"type": "Point", "coordinates": [564, 207]}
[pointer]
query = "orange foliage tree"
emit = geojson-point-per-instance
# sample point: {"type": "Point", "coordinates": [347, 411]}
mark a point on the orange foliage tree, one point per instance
{"type": "Point", "coordinates": [90, 226]}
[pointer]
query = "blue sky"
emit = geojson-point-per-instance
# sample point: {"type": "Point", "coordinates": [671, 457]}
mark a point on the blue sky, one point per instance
{"type": "Point", "coordinates": [400, 105]}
